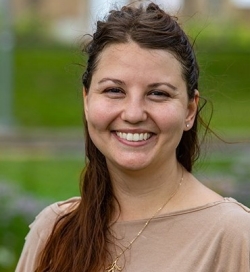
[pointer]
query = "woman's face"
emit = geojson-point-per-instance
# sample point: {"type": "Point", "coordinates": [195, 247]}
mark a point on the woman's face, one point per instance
{"type": "Point", "coordinates": [137, 107]}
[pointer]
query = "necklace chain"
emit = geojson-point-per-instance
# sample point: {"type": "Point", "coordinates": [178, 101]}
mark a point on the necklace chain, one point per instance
{"type": "Point", "coordinates": [114, 266]}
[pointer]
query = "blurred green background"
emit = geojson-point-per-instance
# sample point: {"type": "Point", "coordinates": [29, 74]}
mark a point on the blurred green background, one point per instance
{"type": "Point", "coordinates": [42, 152]}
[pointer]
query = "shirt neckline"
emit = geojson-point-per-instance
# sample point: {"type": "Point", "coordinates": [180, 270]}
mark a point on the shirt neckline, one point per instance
{"type": "Point", "coordinates": [225, 200]}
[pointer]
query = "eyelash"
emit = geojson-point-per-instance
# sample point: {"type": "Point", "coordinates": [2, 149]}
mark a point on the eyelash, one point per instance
{"type": "Point", "coordinates": [159, 93]}
{"type": "Point", "coordinates": [116, 92]}
{"type": "Point", "coordinates": [113, 90]}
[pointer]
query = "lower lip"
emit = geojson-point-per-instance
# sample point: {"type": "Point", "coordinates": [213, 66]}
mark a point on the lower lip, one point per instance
{"type": "Point", "coordinates": [131, 143]}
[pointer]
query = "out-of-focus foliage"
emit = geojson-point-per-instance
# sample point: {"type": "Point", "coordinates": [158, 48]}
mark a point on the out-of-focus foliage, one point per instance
{"type": "Point", "coordinates": [48, 90]}
{"type": "Point", "coordinates": [27, 186]}
{"type": "Point", "coordinates": [47, 93]}
{"type": "Point", "coordinates": [32, 30]}
{"type": "Point", "coordinates": [220, 37]}
{"type": "Point", "coordinates": [18, 210]}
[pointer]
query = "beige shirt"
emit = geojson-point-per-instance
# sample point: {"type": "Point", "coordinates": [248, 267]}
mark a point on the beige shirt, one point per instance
{"type": "Point", "coordinates": [210, 238]}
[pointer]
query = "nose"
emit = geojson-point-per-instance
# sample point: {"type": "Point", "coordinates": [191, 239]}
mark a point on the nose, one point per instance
{"type": "Point", "coordinates": [134, 111]}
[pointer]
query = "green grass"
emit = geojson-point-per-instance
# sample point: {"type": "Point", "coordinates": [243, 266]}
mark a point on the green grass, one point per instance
{"type": "Point", "coordinates": [48, 87]}
{"type": "Point", "coordinates": [57, 178]}
{"type": "Point", "coordinates": [225, 81]}
{"type": "Point", "coordinates": [53, 178]}
{"type": "Point", "coordinates": [35, 180]}
{"type": "Point", "coordinates": [47, 93]}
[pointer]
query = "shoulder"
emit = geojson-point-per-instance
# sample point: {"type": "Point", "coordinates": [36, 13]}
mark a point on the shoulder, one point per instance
{"type": "Point", "coordinates": [225, 218]}
{"type": "Point", "coordinates": [233, 219]}
{"type": "Point", "coordinates": [231, 209]}
{"type": "Point", "coordinates": [40, 230]}
{"type": "Point", "coordinates": [227, 232]}
{"type": "Point", "coordinates": [45, 220]}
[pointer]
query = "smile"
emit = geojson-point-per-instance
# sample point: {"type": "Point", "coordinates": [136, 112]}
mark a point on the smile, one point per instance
{"type": "Point", "coordinates": [134, 137]}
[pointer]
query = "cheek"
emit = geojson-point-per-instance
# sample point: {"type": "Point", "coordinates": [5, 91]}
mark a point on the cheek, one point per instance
{"type": "Point", "coordinates": [172, 119]}
{"type": "Point", "coordinates": [98, 116]}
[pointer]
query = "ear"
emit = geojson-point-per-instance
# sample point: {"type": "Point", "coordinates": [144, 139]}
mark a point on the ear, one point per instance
{"type": "Point", "coordinates": [191, 111]}
{"type": "Point", "coordinates": [85, 103]}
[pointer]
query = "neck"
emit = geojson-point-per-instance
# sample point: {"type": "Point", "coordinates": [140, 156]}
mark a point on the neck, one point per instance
{"type": "Point", "coordinates": [140, 193]}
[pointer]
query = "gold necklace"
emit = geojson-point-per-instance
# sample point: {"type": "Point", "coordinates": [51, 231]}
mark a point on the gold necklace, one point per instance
{"type": "Point", "coordinates": [114, 266]}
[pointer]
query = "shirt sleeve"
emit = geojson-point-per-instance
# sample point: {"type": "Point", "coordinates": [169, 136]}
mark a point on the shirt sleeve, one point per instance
{"type": "Point", "coordinates": [35, 241]}
{"type": "Point", "coordinates": [39, 232]}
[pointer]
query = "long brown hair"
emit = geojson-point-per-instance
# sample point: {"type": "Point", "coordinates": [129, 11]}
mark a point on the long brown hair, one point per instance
{"type": "Point", "coordinates": [80, 240]}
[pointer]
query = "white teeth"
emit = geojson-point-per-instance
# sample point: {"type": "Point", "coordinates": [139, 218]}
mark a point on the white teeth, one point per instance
{"type": "Point", "coordinates": [136, 137]}
{"type": "Point", "coordinates": [145, 136]}
{"type": "Point", "coordinates": [133, 137]}
{"type": "Point", "coordinates": [130, 137]}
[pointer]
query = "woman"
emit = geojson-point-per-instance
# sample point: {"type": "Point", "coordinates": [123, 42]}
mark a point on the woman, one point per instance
{"type": "Point", "coordinates": [140, 209]}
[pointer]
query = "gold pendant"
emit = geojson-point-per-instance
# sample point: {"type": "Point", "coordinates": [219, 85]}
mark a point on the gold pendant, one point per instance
{"type": "Point", "coordinates": [114, 267]}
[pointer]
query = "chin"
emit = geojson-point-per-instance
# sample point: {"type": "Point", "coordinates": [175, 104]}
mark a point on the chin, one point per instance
{"type": "Point", "coordinates": [133, 165]}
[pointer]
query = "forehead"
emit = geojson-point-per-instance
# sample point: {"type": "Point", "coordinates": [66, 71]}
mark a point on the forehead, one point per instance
{"type": "Point", "coordinates": [132, 55]}
{"type": "Point", "coordinates": [135, 65]}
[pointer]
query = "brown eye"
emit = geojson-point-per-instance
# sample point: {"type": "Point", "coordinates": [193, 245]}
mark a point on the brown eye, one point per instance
{"type": "Point", "coordinates": [114, 92]}
{"type": "Point", "coordinates": [158, 95]}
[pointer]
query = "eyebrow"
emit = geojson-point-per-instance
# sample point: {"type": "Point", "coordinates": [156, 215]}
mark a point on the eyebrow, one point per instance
{"type": "Point", "coordinates": [155, 85]}
{"type": "Point", "coordinates": [152, 85]}
{"type": "Point", "coordinates": [116, 81]}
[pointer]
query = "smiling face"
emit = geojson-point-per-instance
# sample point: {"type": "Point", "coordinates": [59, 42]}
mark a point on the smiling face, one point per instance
{"type": "Point", "coordinates": [137, 107]}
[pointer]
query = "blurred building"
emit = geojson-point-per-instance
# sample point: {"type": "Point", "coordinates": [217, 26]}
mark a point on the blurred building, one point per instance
{"type": "Point", "coordinates": [66, 19]}
{"type": "Point", "coordinates": [219, 10]}
{"type": "Point", "coordinates": [75, 15]}
{"type": "Point", "coordinates": [51, 10]}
